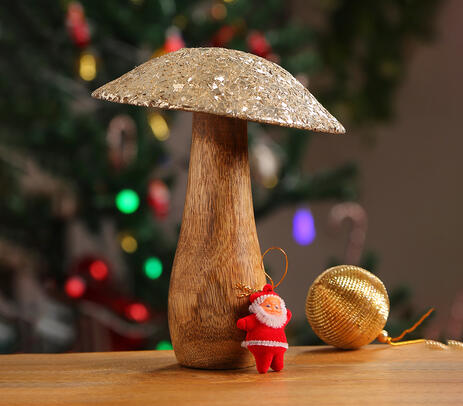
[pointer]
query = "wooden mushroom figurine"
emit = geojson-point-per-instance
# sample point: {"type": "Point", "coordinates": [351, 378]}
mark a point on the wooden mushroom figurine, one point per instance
{"type": "Point", "coordinates": [218, 245]}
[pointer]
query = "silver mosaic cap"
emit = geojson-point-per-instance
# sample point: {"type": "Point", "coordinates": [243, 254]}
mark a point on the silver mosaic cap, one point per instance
{"type": "Point", "coordinates": [224, 82]}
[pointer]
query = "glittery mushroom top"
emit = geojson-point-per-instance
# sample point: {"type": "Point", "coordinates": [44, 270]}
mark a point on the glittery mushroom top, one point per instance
{"type": "Point", "coordinates": [224, 82]}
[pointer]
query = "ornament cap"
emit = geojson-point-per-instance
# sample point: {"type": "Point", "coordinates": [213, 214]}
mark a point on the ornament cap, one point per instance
{"type": "Point", "coordinates": [383, 337]}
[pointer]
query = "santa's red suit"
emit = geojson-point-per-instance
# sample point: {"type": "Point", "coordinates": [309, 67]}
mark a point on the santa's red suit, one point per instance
{"type": "Point", "coordinates": [265, 334]}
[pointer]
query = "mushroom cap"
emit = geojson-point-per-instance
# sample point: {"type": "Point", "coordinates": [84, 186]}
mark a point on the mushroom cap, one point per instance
{"type": "Point", "coordinates": [225, 82]}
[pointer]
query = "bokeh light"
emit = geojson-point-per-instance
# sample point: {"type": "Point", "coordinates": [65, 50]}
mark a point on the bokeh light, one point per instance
{"type": "Point", "coordinates": [164, 345]}
{"type": "Point", "coordinates": [75, 287]}
{"type": "Point", "coordinates": [270, 182]}
{"type": "Point", "coordinates": [218, 11]}
{"type": "Point", "coordinates": [159, 126]}
{"type": "Point", "coordinates": [127, 201]}
{"type": "Point", "coordinates": [98, 270]}
{"type": "Point", "coordinates": [87, 67]}
{"type": "Point", "coordinates": [303, 227]}
{"type": "Point", "coordinates": [128, 243]}
{"type": "Point", "coordinates": [137, 312]}
{"type": "Point", "coordinates": [153, 268]}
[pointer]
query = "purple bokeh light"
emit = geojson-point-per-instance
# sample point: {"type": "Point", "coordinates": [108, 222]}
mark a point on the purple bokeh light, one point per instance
{"type": "Point", "coordinates": [303, 227]}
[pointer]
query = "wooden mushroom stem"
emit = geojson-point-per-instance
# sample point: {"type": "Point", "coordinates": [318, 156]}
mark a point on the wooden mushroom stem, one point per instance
{"type": "Point", "coordinates": [217, 248]}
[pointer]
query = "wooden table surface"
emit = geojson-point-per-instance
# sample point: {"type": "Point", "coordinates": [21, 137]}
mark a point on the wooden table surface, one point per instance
{"type": "Point", "coordinates": [376, 375]}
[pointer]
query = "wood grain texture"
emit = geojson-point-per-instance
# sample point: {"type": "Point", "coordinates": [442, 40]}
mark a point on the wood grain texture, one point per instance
{"type": "Point", "coordinates": [217, 248]}
{"type": "Point", "coordinates": [374, 375]}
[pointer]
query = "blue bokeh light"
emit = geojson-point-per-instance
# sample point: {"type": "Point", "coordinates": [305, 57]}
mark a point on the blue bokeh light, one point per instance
{"type": "Point", "coordinates": [303, 227]}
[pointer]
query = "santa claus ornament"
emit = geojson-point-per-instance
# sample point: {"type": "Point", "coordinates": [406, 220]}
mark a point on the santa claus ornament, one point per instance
{"type": "Point", "coordinates": [265, 327]}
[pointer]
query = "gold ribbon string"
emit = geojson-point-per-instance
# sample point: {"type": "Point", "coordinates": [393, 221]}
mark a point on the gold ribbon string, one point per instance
{"type": "Point", "coordinates": [419, 340]}
{"type": "Point", "coordinates": [393, 341]}
{"type": "Point", "coordinates": [451, 345]}
{"type": "Point", "coordinates": [456, 345]}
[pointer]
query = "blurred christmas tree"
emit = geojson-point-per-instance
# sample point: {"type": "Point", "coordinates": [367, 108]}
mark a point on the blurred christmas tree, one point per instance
{"type": "Point", "coordinates": [86, 185]}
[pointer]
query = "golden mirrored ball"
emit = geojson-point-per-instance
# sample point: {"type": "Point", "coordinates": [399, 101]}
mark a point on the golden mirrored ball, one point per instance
{"type": "Point", "coordinates": [347, 306]}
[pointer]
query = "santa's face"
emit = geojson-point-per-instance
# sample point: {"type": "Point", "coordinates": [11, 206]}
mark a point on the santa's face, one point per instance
{"type": "Point", "coordinates": [270, 310]}
{"type": "Point", "coordinates": [272, 306]}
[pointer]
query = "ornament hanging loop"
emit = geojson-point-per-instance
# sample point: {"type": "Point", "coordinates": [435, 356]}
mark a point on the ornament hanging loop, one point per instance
{"type": "Point", "coordinates": [245, 290]}
{"type": "Point", "coordinates": [286, 267]}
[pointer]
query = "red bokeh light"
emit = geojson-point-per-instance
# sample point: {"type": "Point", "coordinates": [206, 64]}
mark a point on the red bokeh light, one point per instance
{"type": "Point", "coordinates": [137, 312]}
{"type": "Point", "coordinates": [223, 37]}
{"type": "Point", "coordinates": [75, 287]}
{"type": "Point", "coordinates": [258, 44]}
{"type": "Point", "coordinates": [98, 270]}
{"type": "Point", "coordinates": [173, 43]}
{"type": "Point", "coordinates": [159, 198]}
{"type": "Point", "coordinates": [77, 24]}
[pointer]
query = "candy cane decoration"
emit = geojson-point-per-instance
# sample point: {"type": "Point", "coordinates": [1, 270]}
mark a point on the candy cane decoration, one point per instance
{"type": "Point", "coordinates": [359, 220]}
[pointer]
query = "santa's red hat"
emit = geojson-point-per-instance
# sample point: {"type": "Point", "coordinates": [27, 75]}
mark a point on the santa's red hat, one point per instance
{"type": "Point", "coordinates": [266, 291]}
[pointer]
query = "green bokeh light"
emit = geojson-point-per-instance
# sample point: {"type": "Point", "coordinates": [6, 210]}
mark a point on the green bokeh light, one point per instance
{"type": "Point", "coordinates": [153, 268]}
{"type": "Point", "coordinates": [164, 345]}
{"type": "Point", "coordinates": [127, 201]}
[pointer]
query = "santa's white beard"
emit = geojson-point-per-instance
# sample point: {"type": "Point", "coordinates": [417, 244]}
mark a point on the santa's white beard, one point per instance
{"type": "Point", "coordinates": [269, 320]}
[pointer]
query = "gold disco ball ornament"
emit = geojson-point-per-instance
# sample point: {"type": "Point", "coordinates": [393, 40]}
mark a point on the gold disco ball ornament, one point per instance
{"type": "Point", "coordinates": [347, 307]}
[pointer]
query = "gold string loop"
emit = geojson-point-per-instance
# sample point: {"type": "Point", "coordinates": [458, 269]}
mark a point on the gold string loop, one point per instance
{"type": "Point", "coordinates": [286, 267]}
{"type": "Point", "coordinates": [246, 290]}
